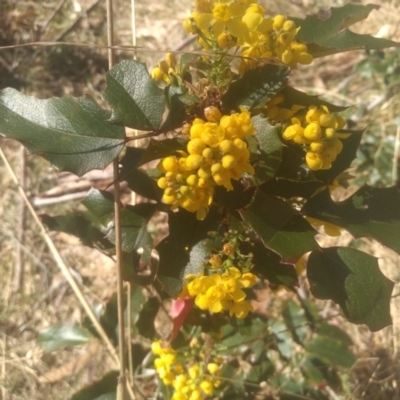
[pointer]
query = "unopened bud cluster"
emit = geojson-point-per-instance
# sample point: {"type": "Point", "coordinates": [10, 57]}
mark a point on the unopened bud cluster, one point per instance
{"type": "Point", "coordinates": [216, 154]}
{"type": "Point", "coordinates": [191, 380]}
{"type": "Point", "coordinates": [317, 130]}
{"type": "Point", "coordinates": [166, 69]}
{"type": "Point", "coordinates": [243, 22]}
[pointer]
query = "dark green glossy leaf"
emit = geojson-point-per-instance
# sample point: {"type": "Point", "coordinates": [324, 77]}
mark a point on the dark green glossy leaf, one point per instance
{"type": "Point", "coordinates": [162, 148]}
{"type": "Point", "coordinates": [183, 251]}
{"type": "Point", "coordinates": [59, 336]}
{"type": "Point", "coordinates": [279, 227]}
{"type": "Point", "coordinates": [176, 109]}
{"type": "Point", "coordinates": [327, 34]}
{"type": "Point", "coordinates": [103, 389]}
{"type": "Point", "coordinates": [144, 185]}
{"type": "Point", "coordinates": [352, 279]}
{"type": "Point", "coordinates": [268, 265]}
{"type": "Point", "coordinates": [332, 351]}
{"type": "Point", "coordinates": [295, 320]}
{"type": "Point", "coordinates": [134, 219]}
{"type": "Point", "coordinates": [145, 323]}
{"type": "Point", "coordinates": [99, 202]}
{"type": "Point", "coordinates": [137, 302]}
{"type": "Point", "coordinates": [293, 96]}
{"type": "Point", "coordinates": [73, 134]}
{"type": "Point", "coordinates": [234, 199]}
{"type": "Point", "coordinates": [81, 225]}
{"type": "Point", "coordinates": [269, 151]}
{"type": "Point", "coordinates": [314, 369]}
{"type": "Point", "coordinates": [370, 212]}
{"type": "Point", "coordinates": [255, 88]}
{"type": "Point", "coordinates": [135, 99]}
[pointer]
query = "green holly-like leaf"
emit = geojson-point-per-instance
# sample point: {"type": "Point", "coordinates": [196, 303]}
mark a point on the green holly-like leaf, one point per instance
{"type": "Point", "coordinates": [326, 32]}
{"type": "Point", "coordinates": [143, 184]}
{"type": "Point", "coordinates": [103, 389]}
{"type": "Point", "coordinates": [352, 279]}
{"type": "Point", "coordinates": [269, 151]}
{"type": "Point", "coordinates": [81, 225]}
{"type": "Point", "coordinates": [256, 87]}
{"type": "Point", "coordinates": [279, 227]}
{"type": "Point", "coordinates": [183, 252]}
{"type": "Point", "coordinates": [134, 219]}
{"type": "Point", "coordinates": [73, 134]}
{"type": "Point", "coordinates": [59, 336]}
{"type": "Point", "coordinates": [162, 148]}
{"type": "Point", "coordinates": [135, 99]}
{"type": "Point", "coordinates": [296, 321]}
{"type": "Point", "coordinates": [176, 108]}
{"type": "Point", "coordinates": [268, 265]}
{"type": "Point", "coordinates": [293, 97]}
{"type": "Point", "coordinates": [331, 350]}
{"type": "Point", "coordinates": [370, 212]}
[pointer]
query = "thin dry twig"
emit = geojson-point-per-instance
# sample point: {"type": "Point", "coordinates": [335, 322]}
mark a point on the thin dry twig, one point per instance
{"type": "Point", "coordinates": [18, 273]}
{"type": "Point", "coordinates": [122, 384]}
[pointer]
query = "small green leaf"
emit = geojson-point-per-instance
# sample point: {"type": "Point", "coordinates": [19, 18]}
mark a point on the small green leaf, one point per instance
{"type": "Point", "coordinates": [326, 31]}
{"type": "Point", "coordinates": [99, 202]}
{"type": "Point", "coordinates": [332, 351]}
{"type": "Point", "coordinates": [295, 320]}
{"type": "Point", "coordinates": [103, 389]}
{"type": "Point", "coordinates": [183, 251]}
{"type": "Point", "coordinates": [137, 301]}
{"type": "Point", "coordinates": [73, 134]}
{"type": "Point", "coordinates": [79, 224]}
{"type": "Point", "coordinates": [256, 87]}
{"type": "Point", "coordinates": [334, 332]}
{"type": "Point", "coordinates": [283, 338]}
{"type": "Point", "coordinates": [59, 336]}
{"type": "Point", "coordinates": [134, 219]}
{"type": "Point", "coordinates": [269, 151]}
{"type": "Point", "coordinates": [352, 279]}
{"type": "Point", "coordinates": [144, 185]}
{"type": "Point", "coordinates": [176, 109]}
{"type": "Point", "coordinates": [279, 227]}
{"type": "Point", "coordinates": [370, 212]}
{"type": "Point", "coordinates": [135, 99]}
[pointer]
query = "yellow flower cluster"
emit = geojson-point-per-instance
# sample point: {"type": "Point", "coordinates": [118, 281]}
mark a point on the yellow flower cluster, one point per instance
{"type": "Point", "coordinates": [318, 131]}
{"type": "Point", "coordinates": [216, 153]}
{"type": "Point", "coordinates": [165, 69]}
{"type": "Point", "coordinates": [220, 292]}
{"type": "Point", "coordinates": [220, 21]}
{"type": "Point", "coordinates": [188, 381]}
{"type": "Point", "coordinates": [276, 112]}
{"type": "Point", "coordinates": [273, 38]}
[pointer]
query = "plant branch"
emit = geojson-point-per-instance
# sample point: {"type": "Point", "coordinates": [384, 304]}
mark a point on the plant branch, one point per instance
{"type": "Point", "coordinates": [121, 388]}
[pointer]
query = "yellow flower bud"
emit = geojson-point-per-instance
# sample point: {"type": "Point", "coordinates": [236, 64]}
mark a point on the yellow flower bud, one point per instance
{"type": "Point", "coordinates": [212, 368]}
{"type": "Point", "coordinates": [279, 20]}
{"type": "Point", "coordinates": [314, 161]}
{"type": "Point", "coordinates": [196, 146]}
{"type": "Point", "coordinates": [228, 161]}
{"type": "Point", "coordinates": [305, 58]}
{"type": "Point", "coordinates": [313, 131]}
{"type": "Point", "coordinates": [170, 164]}
{"type": "Point", "coordinates": [225, 40]}
{"type": "Point", "coordinates": [194, 161]}
{"type": "Point", "coordinates": [157, 74]}
{"type": "Point", "coordinates": [212, 114]}
{"type": "Point", "coordinates": [289, 26]}
{"type": "Point", "coordinates": [170, 59]}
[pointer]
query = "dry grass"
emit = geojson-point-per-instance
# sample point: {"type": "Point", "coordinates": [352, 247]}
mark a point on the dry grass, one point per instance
{"type": "Point", "coordinates": [44, 297]}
